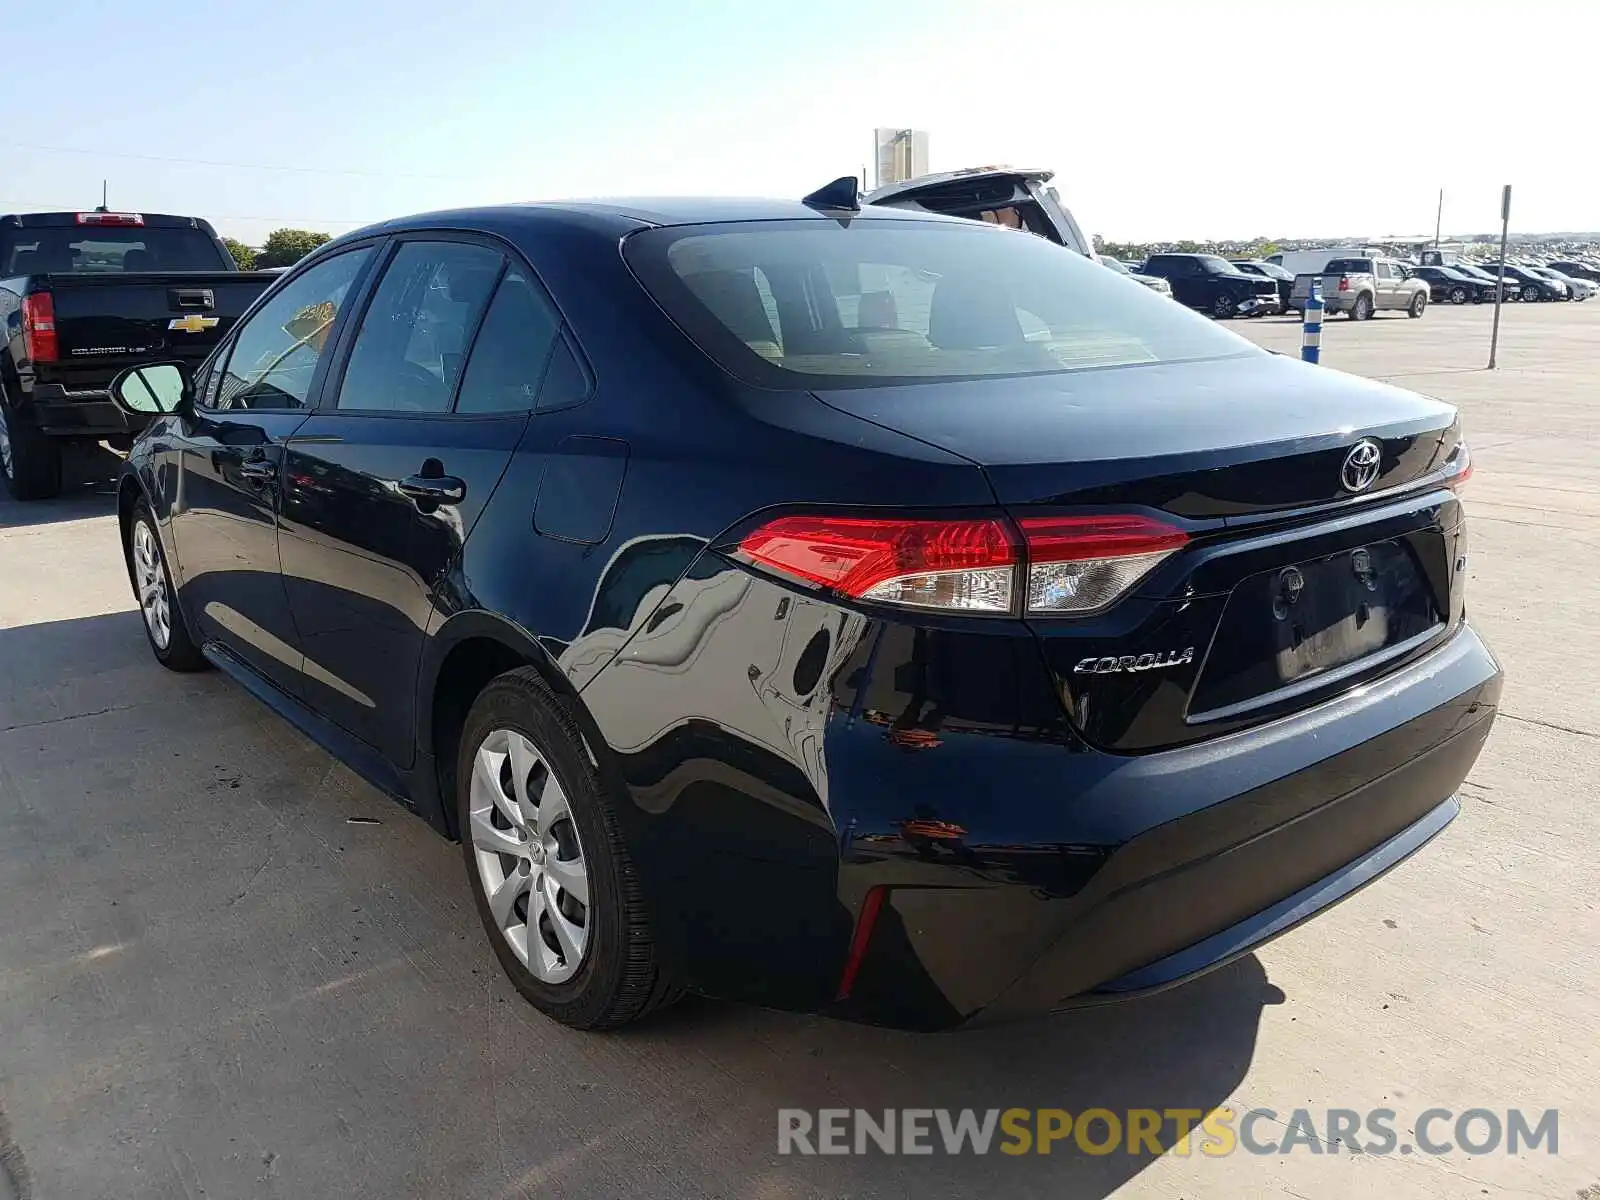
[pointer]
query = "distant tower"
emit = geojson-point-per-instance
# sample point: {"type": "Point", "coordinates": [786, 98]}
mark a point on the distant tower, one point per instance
{"type": "Point", "coordinates": [901, 154]}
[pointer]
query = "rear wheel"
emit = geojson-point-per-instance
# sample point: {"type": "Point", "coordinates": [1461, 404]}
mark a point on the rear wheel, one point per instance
{"type": "Point", "coordinates": [1458, 295]}
{"type": "Point", "coordinates": [30, 462]}
{"type": "Point", "coordinates": [1361, 310]}
{"type": "Point", "coordinates": [554, 884]}
{"type": "Point", "coordinates": [1418, 303]}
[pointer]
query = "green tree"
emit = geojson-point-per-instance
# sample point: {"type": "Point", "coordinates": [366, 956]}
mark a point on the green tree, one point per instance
{"type": "Point", "coordinates": [243, 256]}
{"type": "Point", "coordinates": [285, 247]}
{"type": "Point", "coordinates": [1127, 251]}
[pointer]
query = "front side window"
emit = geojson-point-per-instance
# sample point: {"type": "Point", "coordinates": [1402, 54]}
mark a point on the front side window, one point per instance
{"type": "Point", "coordinates": [877, 302]}
{"type": "Point", "coordinates": [277, 349]}
{"type": "Point", "coordinates": [412, 344]}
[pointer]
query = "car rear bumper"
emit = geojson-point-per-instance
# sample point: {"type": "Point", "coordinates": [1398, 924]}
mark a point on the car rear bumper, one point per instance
{"type": "Point", "coordinates": [1228, 844]}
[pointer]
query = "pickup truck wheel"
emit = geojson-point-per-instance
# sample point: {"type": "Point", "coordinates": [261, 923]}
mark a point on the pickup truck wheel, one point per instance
{"type": "Point", "coordinates": [1418, 303]}
{"type": "Point", "coordinates": [1361, 310]}
{"type": "Point", "coordinates": [1222, 308]}
{"type": "Point", "coordinates": [1458, 295]}
{"type": "Point", "coordinates": [30, 462]}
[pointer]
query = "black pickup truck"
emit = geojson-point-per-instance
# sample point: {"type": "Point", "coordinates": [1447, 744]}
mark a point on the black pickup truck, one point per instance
{"type": "Point", "coordinates": [83, 295]}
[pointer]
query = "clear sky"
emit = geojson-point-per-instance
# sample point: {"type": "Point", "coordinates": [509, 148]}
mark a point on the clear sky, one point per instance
{"type": "Point", "coordinates": [1162, 120]}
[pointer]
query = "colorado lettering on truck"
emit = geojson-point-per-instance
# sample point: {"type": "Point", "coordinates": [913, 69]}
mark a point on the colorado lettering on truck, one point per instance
{"type": "Point", "coordinates": [73, 287]}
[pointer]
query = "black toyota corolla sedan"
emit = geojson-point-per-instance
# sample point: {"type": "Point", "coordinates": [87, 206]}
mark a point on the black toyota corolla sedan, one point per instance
{"type": "Point", "coordinates": [852, 611]}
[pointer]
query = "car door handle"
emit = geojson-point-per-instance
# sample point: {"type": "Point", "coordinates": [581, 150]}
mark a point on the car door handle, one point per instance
{"type": "Point", "coordinates": [258, 470]}
{"type": "Point", "coordinates": [434, 489]}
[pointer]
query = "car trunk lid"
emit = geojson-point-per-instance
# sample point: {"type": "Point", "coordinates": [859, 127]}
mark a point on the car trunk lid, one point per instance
{"type": "Point", "coordinates": [1311, 566]}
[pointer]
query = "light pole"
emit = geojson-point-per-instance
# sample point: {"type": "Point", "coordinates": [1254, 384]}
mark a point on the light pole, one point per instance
{"type": "Point", "coordinates": [1500, 289]}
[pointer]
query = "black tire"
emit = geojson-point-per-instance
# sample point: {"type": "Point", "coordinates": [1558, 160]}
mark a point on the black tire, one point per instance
{"type": "Point", "coordinates": [1361, 310]}
{"type": "Point", "coordinates": [1458, 295]}
{"type": "Point", "coordinates": [180, 652]}
{"type": "Point", "coordinates": [618, 980]}
{"type": "Point", "coordinates": [1222, 308]}
{"type": "Point", "coordinates": [1419, 302]}
{"type": "Point", "coordinates": [30, 462]}
{"type": "Point", "coordinates": [1532, 294]}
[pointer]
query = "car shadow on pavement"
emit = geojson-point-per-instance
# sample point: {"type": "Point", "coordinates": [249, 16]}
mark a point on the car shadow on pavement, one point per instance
{"type": "Point", "coordinates": [88, 489]}
{"type": "Point", "coordinates": [1183, 1051]}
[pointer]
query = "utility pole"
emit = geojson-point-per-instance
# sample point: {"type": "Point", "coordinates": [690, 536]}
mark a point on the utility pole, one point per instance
{"type": "Point", "coordinates": [1500, 291]}
{"type": "Point", "coordinates": [1438, 221]}
{"type": "Point", "coordinates": [105, 191]}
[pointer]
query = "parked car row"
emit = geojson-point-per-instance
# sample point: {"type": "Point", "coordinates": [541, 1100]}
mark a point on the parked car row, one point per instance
{"type": "Point", "coordinates": [1214, 285]}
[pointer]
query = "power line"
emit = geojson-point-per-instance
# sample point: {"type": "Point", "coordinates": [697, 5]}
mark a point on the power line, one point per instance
{"type": "Point", "coordinates": [242, 166]}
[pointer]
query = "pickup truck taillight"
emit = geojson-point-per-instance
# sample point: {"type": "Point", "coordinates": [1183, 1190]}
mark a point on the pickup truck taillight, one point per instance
{"type": "Point", "coordinates": [39, 328]}
{"type": "Point", "coordinates": [1344, 283]}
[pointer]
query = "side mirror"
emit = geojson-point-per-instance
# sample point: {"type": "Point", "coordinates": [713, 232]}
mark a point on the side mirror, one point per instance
{"type": "Point", "coordinates": [153, 389]}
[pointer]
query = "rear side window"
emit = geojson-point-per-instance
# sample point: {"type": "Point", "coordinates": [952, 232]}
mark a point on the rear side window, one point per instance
{"type": "Point", "coordinates": [512, 351]}
{"type": "Point", "coordinates": [412, 344]}
{"type": "Point", "coordinates": [806, 304]}
{"type": "Point", "coordinates": [1349, 266]}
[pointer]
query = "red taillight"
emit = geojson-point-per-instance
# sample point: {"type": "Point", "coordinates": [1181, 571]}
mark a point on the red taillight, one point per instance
{"type": "Point", "coordinates": [110, 218]}
{"type": "Point", "coordinates": [1062, 565]}
{"type": "Point", "coordinates": [963, 564]}
{"type": "Point", "coordinates": [39, 328]}
{"type": "Point", "coordinates": [1459, 467]}
{"type": "Point", "coordinates": [1344, 283]}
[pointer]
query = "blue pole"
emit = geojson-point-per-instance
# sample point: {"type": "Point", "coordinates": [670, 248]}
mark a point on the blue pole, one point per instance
{"type": "Point", "coordinates": [1311, 325]}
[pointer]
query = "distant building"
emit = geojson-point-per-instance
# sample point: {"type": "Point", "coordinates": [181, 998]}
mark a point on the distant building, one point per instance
{"type": "Point", "coordinates": [901, 154]}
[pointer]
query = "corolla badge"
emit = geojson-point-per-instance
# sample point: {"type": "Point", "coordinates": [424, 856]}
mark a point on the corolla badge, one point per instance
{"type": "Point", "coordinates": [1114, 665]}
{"type": "Point", "coordinates": [1361, 465]}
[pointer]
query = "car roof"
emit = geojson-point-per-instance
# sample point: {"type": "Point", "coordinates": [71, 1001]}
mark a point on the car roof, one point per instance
{"type": "Point", "coordinates": [623, 215]}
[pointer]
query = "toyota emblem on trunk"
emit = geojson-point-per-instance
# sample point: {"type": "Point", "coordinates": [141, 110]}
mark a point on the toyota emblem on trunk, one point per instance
{"type": "Point", "coordinates": [1361, 465]}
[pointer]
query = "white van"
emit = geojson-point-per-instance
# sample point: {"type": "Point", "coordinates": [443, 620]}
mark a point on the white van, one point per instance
{"type": "Point", "coordinates": [1313, 262]}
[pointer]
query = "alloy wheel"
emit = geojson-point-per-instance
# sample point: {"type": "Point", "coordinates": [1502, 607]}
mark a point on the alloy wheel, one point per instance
{"type": "Point", "coordinates": [529, 857]}
{"type": "Point", "coordinates": [5, 443]}
{"type": "Point", "coordinates": [151, 580]}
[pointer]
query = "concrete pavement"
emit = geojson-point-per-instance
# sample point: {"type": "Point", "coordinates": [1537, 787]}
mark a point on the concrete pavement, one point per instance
{"type": "Point", "coordinates": [229, 968]}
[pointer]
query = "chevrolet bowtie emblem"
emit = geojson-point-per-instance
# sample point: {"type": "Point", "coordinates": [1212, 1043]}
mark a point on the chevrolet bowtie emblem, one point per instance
{"type": "Point", "coordinates": [192, 323]}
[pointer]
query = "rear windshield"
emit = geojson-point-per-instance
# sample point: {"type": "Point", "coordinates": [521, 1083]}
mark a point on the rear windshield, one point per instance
{"type": "Point", "coordinates": [1349, 266]}
{"type": "Point", "coordinates": [873, 302]}
{"type": "Point", "coordinates": [107, 251]}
